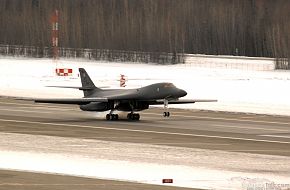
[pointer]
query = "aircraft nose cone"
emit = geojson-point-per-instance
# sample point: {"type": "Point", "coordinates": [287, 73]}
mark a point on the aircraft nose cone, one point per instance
{"type": "Point", "coordinates": [182, 93]}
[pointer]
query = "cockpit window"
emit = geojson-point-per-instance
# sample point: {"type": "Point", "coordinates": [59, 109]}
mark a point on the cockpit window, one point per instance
{"type": "Point", "coordinates": [169, 85]}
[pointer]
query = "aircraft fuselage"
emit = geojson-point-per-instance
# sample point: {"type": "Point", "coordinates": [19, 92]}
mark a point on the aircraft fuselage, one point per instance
{"type": "Point", "coordinates": [133, 99]}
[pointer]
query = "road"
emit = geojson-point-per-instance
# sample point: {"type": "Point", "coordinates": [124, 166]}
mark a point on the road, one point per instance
{"type": "Point", "coordinates": [232, 132]}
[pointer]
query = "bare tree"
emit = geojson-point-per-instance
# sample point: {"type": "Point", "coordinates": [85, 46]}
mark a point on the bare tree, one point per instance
{"type": "Point", "coordinates": [231, 27]}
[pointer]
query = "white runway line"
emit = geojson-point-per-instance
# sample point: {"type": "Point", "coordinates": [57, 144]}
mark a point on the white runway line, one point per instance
{"type": "Point", "coordinates": [143, 163]}
{"type": "Point", "coordinates": [252, 128]}
{"type": "Point", "coordinates": [25, 111]}
{"type": "Point", "coordinates": [278, 136]}
{"type": "Point", "coordinates": [41, 106]}
{"type": "Point", "coordinates": [148, 131]}
{"type": "Point", "coordinates": [176, 113]}
{"type": "Point", "coordinates": [227, 119]}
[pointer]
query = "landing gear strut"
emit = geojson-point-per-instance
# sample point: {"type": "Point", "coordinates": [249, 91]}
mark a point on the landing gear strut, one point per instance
{"type": "Point", "coordinates": [133, 116]}
{"type": "Point", "coordinates": [166, 113]}
{"type": "Point", "coordinates": [111, 116]}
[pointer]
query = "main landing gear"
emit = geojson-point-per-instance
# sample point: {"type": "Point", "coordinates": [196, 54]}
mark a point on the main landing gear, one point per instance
{"type": "Point", "coordinates": [130, 116]}
{"type": "Point", "coordinates": [112, 117]}
{"type": "Point", "coordinates": [133, 116]}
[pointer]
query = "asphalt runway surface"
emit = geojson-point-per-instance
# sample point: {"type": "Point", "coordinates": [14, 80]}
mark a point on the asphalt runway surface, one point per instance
{"type": "Point", "coordinates": [18, 180]}
{"type": "Point", "coordinates": [233, 132]}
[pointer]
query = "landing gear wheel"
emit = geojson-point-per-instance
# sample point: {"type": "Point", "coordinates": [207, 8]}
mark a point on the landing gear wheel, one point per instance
{"type": "Point", "coordinates": [166, 114]}
{"type": "Point", "coordinates": [112, 117]}
{"type": "Point", "coordinates": [133, 116]}
{"type": "Point", "coordinates": [136, 117]}
{"type": "Point", "coordinates": [115, 117]}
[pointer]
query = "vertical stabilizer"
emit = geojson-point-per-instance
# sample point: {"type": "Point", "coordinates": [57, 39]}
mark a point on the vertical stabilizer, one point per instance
{"type": "Point", "coordinates": [87, 84]}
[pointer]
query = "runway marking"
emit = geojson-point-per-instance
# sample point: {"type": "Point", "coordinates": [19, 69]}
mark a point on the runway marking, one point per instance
{"type": "Point", "coordinates": [36, 105]}
{"type": "Point", "coordinates": [202, 117]}
{"type": "Point", "coordinates": [39, 106]}
{"type": "Point", "coordinates": [247, 117]}
{"type": "Point", "coordinates": [144, 131]}
{"type": "Point", "coordinates": [258, 150]}
{"type": "Point", "coordinates": [226, 119]}
{"type": "Point", "coordinates": [211, 144]}
{"type": "Point", "coordinates": [254, 128]}
{"type": "Point", "coordinates": [174, 114]}
{"type": "Point", "coordinates": [126, 137]}
{"type": "Point", "coordinates": [28, 111]}
{"type": "Point", "coordinates": [77, 145]}
{"type": "Point", "coordinates": [278, 136]}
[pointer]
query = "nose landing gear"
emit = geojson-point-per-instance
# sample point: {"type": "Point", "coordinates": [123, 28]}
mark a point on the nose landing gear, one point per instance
{"type": "Point", "coordinates": [166, 113]}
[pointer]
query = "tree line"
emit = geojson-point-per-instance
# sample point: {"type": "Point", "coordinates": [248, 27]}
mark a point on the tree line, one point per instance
{"type": "Point", "coordinates": [227, 27]}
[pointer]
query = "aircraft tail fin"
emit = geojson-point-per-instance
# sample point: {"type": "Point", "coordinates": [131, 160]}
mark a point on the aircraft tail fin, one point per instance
{"type": "Point", "coordinates": [87, 84]}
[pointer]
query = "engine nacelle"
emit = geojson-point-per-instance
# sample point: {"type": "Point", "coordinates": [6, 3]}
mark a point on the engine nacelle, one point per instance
{"type": "Point", "coordinates": [96, 106]}
{"type": "Point", "coordinates": [137, 106]}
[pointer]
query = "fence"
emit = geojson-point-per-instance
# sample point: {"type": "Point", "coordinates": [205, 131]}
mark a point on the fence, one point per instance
{"type": "Point", "coordinates": [232, 62]}
{"type": "Point", "coordinates": [94, 54]}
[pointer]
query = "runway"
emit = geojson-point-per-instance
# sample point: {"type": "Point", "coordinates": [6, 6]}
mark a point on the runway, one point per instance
{"type": "Point", "coordinates": [230, 132]}
{"type": "Point", "coordinates": [262, 134]}
{"type": "Point", "coordinates": [27, 180]}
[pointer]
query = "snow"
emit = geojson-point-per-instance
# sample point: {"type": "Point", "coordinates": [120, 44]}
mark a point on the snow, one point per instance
{"type": "Point", "coordinates": [188, 167]}
{"type": "Point", "coordinates": [263, 92]}
{"type": "Point", "coordinates": [231, 62]}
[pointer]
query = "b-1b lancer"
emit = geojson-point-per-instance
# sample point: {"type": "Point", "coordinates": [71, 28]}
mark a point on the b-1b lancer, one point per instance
{"type": "Point", "coordinates": [127, 100]}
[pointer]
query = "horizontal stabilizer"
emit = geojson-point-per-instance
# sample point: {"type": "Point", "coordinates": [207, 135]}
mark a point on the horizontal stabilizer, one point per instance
{"type": "Point", "coordinates": [78, 101]}
{"type": "Point", "coordinates": [73, 87]}
{"type": "Point", "coordinates": [77, 87]}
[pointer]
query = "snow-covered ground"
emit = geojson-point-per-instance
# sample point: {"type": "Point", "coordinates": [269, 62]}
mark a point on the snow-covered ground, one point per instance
{"type": "Point", "coordinates": [236, 90]}
{"type": "Point", "coordinates": [265, 92]}
{"type": "Point", "coordinates": [231, 62]}
{"type": "Point", "coordinates": [144, 163]}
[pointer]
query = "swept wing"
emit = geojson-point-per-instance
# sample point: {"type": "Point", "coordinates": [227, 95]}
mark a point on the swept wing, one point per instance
{"type": "Point", "coordinates": [78, 101]}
